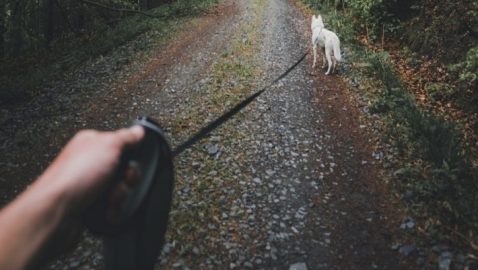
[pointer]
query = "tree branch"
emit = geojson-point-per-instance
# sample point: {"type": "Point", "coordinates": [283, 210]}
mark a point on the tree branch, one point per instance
{"type": "Point", "coordinates": [92, 3]}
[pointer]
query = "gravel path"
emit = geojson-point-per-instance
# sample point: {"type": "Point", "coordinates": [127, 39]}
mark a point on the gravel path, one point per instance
{"type": "Point", "coordinates": [289, 183]}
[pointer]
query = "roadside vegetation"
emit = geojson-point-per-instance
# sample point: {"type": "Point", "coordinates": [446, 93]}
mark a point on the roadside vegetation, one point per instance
{"type": "Point", "coordinates": [41, 41]}
{"type": "Point", "coordinates": [416, 65]}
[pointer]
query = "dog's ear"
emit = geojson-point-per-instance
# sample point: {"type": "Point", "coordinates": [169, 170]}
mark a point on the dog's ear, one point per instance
{"type": "Point", "coordinates": [313, 17]}
{"type": "Point", "coordinates": [319, 17]}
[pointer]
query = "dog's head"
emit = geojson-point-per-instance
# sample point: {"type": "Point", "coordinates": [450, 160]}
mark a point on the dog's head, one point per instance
{"type": "Point", "coordinates": [317, 22]}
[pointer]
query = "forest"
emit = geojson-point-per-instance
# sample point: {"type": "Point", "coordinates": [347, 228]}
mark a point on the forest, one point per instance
{"type": "Point", "coordinates": [39, 38]}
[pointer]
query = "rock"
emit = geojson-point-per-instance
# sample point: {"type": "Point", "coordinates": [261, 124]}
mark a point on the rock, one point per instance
{"type": "Point", "coordinates": [408, 224]}
{"type": "Point", "coordinates": [178, 264]}
{"type": "Point", "coordinates": [212, 149]}
{"type": "Point", "coordinates": [407, 250]}
{"type": "Point", "coordinates": [167, 248]}
{"type": "Point", "coordinates": [196, 165]}
{"type": "Point", "coordinates": [444, 261]}
{"type": "Point", "coordinates": [298, 266]}
{"type": "Point", "coordinates": [215, 139]}
{"type": "Point", "coordinates": [395, 246]}
{"type": "Point", "coordinates": [248, 265]}
{"type": "Point", "coordinates": [74, 264]}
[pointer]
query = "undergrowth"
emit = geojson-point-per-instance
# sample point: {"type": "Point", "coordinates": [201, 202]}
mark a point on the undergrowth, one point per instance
{"type": "Point", "coordinates": [443, 180]}
{"type": "Point", "coordinates": [21, 78]}
{"type": "Point", "coordinates": [435, 175]}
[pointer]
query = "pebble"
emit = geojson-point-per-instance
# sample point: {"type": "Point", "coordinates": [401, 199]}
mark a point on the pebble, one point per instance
{"type": "Point", "coordinates": [408, 224]}
{"type": "Point", "coordinates": [257, 180]}
{"type": "Point", "coordinates": [406, 250]}
{"type": "Point", "coordinates": [298, 266]}
{"type": "Point", "coordinates": [212, 149]}
{"type": "Point", "coordinates": [74, 264]}
{"type": "Point", "coordinates": [444, 261]}
{"type": "Point", "coordinates": [248, 265]}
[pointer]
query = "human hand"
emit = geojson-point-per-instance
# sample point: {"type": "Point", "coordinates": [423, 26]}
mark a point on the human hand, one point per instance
{"type": "Point", "coordinates": [87, 164]}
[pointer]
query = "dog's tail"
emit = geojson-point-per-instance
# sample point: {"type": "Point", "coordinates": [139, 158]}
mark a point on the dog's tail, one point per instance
{"type": "Point", "coordinates": [337, 53]}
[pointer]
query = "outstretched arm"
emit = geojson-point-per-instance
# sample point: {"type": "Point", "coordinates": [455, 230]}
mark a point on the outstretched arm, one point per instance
{"type": "Point", "coordinates": [46, 217]}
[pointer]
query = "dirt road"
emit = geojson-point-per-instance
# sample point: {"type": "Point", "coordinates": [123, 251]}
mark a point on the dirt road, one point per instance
{"type": "Point", "coordinates": [289, 182]}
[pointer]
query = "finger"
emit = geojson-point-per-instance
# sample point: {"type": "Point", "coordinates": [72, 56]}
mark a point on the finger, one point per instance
{"type": "Point", "coordinates": [130, 136]}
{"type": "Point", "coordinates": [132, 175]}
{"type": "Point", "coordinates": [116, 200]}
{"type": "Point", "coordinates": [119, 193]}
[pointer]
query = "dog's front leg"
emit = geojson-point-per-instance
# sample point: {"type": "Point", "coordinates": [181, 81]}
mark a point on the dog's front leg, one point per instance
{"type": "Point", "coordinates": [323, 58]}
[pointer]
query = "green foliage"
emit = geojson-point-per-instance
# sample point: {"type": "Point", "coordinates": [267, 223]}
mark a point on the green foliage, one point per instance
{"type": "Point", "coordinates": [449, 187]}
{"type": "Point", "coordinates": [442, 28]}
{"type": "Point", "coordinates": [374, 16]}
{"type": "Point", "coordinates": [435, 139]}
{"type": "Point", "coordinates": [440, 91]}
{"type": "Point", "coordinates": [342, 26]}
{"type": "Point", "coordinates": [466, 72]}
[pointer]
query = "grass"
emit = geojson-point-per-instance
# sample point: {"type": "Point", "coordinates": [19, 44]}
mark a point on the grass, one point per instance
{"type": "Point", "coordinates": [23, 77]}
{"type": "Point", "coordinates": [434, 164]}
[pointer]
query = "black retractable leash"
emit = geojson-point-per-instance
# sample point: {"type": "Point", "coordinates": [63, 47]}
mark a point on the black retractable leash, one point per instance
{"type": "Point", "coordinates": [134, 239]}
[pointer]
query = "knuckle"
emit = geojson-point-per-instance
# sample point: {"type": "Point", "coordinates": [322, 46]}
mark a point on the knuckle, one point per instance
{"type": "Point", "coordinates": [86, 133]}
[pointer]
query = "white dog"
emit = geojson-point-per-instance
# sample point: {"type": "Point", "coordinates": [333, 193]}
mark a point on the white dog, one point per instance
{"type": "Point", "coordinates": [327, 40]}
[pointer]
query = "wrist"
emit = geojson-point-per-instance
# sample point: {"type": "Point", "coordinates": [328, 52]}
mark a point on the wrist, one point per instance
{"type": "Point", "coordinates": [31, 220]}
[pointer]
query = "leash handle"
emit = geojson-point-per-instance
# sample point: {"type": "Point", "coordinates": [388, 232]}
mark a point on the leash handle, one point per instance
{"type": "Point", "coordinates": [134, 241]}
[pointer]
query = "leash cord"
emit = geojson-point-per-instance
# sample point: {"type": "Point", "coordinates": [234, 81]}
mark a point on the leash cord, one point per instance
{"type": "Point", "coordinates": [229, 114]}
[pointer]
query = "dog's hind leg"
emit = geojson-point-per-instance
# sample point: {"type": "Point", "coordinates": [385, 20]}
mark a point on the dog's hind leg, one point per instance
{"type": "Point", "coordinates": [334, 64]}
{"type": "Point", "coordinates": [329, 60]}
{"type": "Point", "coordinates": [314, 48]}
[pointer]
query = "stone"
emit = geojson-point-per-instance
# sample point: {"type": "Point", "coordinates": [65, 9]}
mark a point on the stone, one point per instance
{"type": "Point", "coordinates": [298, 266]}
{"type": "Point", "coordinates": [407, 250]}
{"type": "Point", "coordinates": [212, 149]}
{"type": "Point", "coordinates": [444, 261]}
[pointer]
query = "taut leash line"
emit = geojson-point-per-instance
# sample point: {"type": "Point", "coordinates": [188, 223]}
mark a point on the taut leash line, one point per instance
{"type": "Point", "coordinates": [226, 116]}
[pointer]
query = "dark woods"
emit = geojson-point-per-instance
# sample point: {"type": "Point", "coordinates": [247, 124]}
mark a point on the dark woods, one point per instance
{"type": "Point", "coordinates": [29, 25]}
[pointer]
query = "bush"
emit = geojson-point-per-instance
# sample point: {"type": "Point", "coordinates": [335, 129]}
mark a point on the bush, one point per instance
{"type": "Point", "coordinates": [466, 74]}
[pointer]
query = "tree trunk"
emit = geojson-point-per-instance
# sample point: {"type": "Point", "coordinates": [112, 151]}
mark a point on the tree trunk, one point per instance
{"type": "Point", "coordinates": [17, 40]}
{"type": "Point", "coordinates": [50, 22]}
{"type": "Point", "coordinates": [144, 4]}
{"type": "Point", "coordinates": [157, 3]}
{"type": "Point", "coordinates": [2, 29]}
